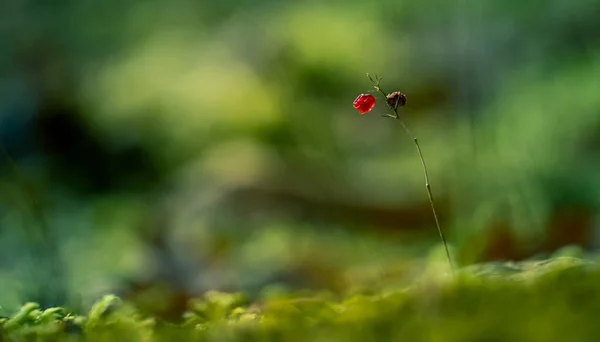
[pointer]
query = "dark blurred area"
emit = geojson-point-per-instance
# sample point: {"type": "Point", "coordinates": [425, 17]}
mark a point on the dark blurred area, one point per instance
{"type": "Point", "coordinates": [160, 149]}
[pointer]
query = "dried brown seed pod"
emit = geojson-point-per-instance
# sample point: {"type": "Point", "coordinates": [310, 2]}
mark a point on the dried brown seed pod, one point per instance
{"type": "Point", "coordinates": [396, 99]}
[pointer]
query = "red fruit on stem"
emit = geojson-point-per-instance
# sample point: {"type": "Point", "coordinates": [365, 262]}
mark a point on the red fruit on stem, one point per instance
{"type": "Point", "coordinates": [364, 103]}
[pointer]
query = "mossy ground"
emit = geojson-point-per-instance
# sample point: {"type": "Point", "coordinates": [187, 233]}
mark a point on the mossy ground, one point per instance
{"type": "Point", "coordinates": [553, 300]}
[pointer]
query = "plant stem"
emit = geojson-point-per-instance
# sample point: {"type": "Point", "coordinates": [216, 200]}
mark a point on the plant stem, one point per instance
{"type": "Point", "coordinates": [49, 292]}
{"type": "Point", "coordinates": [396, 116]}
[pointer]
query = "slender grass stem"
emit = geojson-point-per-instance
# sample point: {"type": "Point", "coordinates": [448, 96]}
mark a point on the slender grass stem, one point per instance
{"type": "Point", "coordinates": [394, 108]}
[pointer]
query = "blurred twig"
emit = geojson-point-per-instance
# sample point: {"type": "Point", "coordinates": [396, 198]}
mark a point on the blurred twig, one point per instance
{"type": "Point", "coordinates": [57, 267]}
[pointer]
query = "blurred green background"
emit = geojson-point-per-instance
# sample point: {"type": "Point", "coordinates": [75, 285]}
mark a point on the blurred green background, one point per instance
{"type": "Point", "coordinates": [158, 149]}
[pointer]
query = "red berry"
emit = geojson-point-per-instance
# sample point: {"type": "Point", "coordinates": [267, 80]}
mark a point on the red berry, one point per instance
{"type": "Point", "coordinates": [364, 103]}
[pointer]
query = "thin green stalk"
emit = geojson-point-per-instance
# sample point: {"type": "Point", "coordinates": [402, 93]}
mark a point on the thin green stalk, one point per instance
{"type": "Point", "coordinates": [396, 116]}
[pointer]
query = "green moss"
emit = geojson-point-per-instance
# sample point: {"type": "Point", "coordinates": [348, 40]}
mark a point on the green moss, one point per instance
{"type": "Point", "coordinates": [552, 300]}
